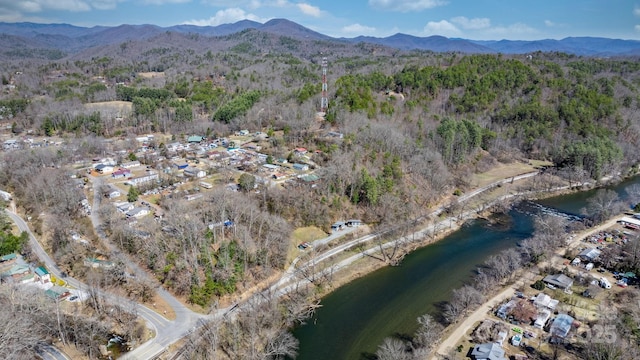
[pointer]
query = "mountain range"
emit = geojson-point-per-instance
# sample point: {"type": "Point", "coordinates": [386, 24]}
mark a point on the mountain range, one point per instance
{"type": "Point", "coordinates": [63, 39]}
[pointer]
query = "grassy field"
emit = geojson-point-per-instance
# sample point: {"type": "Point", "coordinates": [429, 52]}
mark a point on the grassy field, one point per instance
{"type": "Point", "coordinates": [300, 235]}
{"type": "Point", "coordinates": [120, 108]}
{"type": "Point", "coordinates": [506, 170]}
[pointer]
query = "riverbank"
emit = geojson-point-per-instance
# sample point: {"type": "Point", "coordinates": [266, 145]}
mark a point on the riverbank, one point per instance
{"type": "Point", "coordinates": [454, 334]}
{"type": "Point", "coordinates": [389, 300]}
{"type": "Point", "coordinates": [440, 223]}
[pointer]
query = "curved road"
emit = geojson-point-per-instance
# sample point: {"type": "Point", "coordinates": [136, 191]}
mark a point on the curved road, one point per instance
{"type": "Point", "coordinates": [167, 331]}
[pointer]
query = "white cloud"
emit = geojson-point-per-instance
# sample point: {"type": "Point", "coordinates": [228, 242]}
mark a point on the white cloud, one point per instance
{"type": "Point", "coordinates": [105, 4]}
{"type": "Point", "coordinates": [18, 8]}
{"type": "Point", "coordinates": [471, 24]}
{"type": "Point", "coordinates": [226, 16]}
{"type": "Point", "coordinates": [251, 4]}
{"type": "Point", "coordinates": [511, 30]}
{"type": "Point", "coordinates": [27, 6]}
{"type": "Point", "coordinates": [277, 3]}
{"type": "Point", "coordinates": [357, 29]}
{"type": "Point", "coordinates": [65, 5]}
{"type": "Point", "coordinates": [636, 11]}
{"type": "Point", "coordinates": [309, 9]}
{"type": "Point", "coordinates": [254, 4]}
{"type": "Point", "coordinates": [162, 2]}
{"type": "Point", "coordinates": [442, 27]}
{"type": "Point", "coordinates": [637, 27]}
{"type": "Point", "coordinates": [549, 23]}
{"type": "Point", "coordinates": [406, 5]}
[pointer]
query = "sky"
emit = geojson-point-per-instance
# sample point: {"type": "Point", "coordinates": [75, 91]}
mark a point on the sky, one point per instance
{"type": "Point", "coordinates": [469, 19]}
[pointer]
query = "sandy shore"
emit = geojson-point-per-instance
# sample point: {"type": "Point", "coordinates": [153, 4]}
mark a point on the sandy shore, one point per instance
{"type": "Point", "coordinates": [456, 332]}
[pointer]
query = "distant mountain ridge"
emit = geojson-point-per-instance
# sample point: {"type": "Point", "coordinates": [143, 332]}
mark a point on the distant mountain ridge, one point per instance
{"type": "Point", "coordinates": [72, 39]}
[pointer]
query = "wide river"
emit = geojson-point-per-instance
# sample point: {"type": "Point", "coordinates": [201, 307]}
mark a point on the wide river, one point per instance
{"type": "Point", "coordinates": [354, 319]}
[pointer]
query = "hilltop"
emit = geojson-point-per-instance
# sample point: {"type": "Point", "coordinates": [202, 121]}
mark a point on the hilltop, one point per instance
{"type": "Point", "coordinates": [55, 41]}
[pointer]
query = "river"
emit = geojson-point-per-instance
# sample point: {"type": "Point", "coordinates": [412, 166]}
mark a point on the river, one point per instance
{"type": "Point", "coordinates": [355, 318]}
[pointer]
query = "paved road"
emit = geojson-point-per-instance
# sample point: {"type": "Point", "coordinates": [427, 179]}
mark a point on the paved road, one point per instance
{"type": "Point", "coordinates": [49, 352]}
{"type": "Point", "coordinates": [292, 278]}
{"type": "Point", "coordinates": [167, 331]}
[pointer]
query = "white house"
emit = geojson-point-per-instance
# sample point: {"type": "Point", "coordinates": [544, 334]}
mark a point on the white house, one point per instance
{"type": "Point", "coordinates": [142, 179]}
{"type": "Point", "coordinates": [42, 275]}
{"type": "Point", "coordinates": [121, 173]}
{"type": "Point", "coordinates": [5, 195]}
{"type": "Point", "coordinates": [104, 169]}
{"type": "Point", "coordinates": [300, 167]}
{"type": "Point", "coordinates": [191, 197]}
{"type": "Point", "coordinates": [543, 300]}
{"type": "Point", "coordinates": [192, 171]}
{"type": "Point", "coordinates": [11, 144]}
{"type": "Point", "coordinates": [138, 212]}
{"type": "Point", "coordinates": [124, 206]}
{"type": "Point", "coordinates": [130, 164]}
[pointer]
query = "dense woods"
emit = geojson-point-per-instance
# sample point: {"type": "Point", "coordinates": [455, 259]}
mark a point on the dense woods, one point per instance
{"type": "Point", "coordinates": [413, 126]}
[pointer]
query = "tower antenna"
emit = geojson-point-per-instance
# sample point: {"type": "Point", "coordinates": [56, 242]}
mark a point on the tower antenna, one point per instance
{"type": "Point", "coordinates": [324, 101]}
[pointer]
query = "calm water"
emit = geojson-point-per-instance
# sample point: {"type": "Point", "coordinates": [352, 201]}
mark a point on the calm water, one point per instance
{"type": "Point", "coordinates": [356, 318]}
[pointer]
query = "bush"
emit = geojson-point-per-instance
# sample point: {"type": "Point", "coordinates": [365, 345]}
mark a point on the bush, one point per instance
{"type": "Point", "coordinates": [538, 285]}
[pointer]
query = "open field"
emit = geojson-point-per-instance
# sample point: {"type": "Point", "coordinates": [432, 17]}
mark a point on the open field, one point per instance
{"type": "Point", "coordinates": [300, 235]}
{"type": "Point", "coordinates": [113, 108]}
{"type": "Point", "coordinates": [504, 171]}
{"type": "Point", "coordinates": [151, 74]}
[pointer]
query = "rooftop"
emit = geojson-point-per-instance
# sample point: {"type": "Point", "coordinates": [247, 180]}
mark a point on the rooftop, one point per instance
{"type": "Point", "coordinates": [41, 271]}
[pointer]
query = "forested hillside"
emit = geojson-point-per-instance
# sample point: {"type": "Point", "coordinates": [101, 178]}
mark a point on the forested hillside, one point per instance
{"type": "Point", "coordinates": [413, 126]}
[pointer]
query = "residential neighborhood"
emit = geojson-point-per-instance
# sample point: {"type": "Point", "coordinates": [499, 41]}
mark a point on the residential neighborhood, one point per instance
{"type": "Point", "coordinates": [260, 190]}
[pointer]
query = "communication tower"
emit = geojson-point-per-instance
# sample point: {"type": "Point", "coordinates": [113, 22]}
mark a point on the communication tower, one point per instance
{"type": "Point", "coordinates": [324, 102]}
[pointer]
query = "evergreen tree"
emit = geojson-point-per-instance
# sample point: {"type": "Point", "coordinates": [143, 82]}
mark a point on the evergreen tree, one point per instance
{"type": "Point", "coordinates": [133, 194]}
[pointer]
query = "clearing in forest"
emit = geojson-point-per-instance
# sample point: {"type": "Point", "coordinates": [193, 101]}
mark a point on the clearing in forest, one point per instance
{"type": "Point", "coordinates": [504, 171]}
{"type": "Point", "coordinates": [114, 108]}
{"type": "Point", "coordinates": [300, 235]}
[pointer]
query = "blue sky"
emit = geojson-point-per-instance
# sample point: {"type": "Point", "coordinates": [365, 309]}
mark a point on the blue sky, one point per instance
{"type": "Point", "coordinates": [471, 19]}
